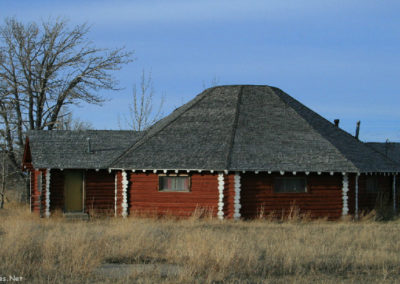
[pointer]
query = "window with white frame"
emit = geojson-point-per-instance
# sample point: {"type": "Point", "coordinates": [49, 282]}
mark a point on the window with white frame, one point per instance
{"type": "Point", "coordinates": [174, 183]}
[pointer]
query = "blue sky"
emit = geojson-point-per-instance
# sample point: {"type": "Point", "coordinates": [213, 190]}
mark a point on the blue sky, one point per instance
{"type": "Point", "coordinates": [340, 58]}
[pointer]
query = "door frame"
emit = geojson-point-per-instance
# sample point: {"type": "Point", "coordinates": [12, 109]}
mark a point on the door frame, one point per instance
{"type": "Point", "coordinates": [83, 190]}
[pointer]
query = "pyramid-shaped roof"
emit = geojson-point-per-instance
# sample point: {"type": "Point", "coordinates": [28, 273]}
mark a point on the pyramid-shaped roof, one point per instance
{"type": "Point", "coordinates": [250, 128]}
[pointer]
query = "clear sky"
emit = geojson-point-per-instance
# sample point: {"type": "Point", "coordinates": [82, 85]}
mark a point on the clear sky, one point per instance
{"type": "Point", "coordinates": [340, 58]}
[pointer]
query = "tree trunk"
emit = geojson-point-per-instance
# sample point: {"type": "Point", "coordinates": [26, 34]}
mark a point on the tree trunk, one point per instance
{"type": "Point", "coordinates": [3, 182]}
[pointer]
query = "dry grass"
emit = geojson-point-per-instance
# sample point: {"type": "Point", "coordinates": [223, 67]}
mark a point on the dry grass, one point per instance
{"type": "Point", "coordinates": [206, 250]}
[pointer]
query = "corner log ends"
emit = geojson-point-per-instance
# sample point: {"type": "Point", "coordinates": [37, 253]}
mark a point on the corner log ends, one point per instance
{"type": "Point", "coordinates": [231, 195]}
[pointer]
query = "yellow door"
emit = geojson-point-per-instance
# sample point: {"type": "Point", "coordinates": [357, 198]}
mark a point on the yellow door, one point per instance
{"type": "Point", "coordinates": [73, 191]}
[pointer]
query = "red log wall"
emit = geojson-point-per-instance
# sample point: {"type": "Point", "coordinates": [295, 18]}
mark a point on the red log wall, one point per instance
{"type": "Point", "coordinates": [37, 195]}
{"type": "Point", "coordinates": [100, 192]}
{"type": "Point", "coordinates": [322, 199]}
{"type": "Point", "coordinates": [144, 196]}
{"type": "Point", "coordinates": [119, 193]}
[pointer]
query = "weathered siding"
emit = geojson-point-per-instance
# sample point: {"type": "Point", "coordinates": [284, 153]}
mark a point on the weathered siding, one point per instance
{"type": "Point", "coordinates": [323, 199]}
{"type": "Point", "coordinates": [100, 192]}
{"type": "Point", "coordinates": [144, 196]}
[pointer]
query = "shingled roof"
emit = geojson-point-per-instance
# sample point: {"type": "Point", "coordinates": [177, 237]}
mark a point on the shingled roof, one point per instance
{"type": "Point", "coordinates": [69, 149]}
{"type": "Point", "coordinates": [250, 128]}
{"type": "Point", "coordinates": [389, 149]}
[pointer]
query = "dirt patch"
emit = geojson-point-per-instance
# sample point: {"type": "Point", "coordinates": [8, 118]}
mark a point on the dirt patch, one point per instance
{"type": "Point", "coordinates": [125, 266]}
{"type": "Point", "coordinates": [140, 259]}
{"type": "Point", "coordinates": [121, 270]}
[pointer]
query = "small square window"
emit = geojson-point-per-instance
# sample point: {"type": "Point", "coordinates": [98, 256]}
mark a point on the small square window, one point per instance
{"type": "Point", "coordinates": [290, 185]}
{"type": "Point", "coordinates": [372, 184]}
{"type": "Point", "coordinates": [174, 183]}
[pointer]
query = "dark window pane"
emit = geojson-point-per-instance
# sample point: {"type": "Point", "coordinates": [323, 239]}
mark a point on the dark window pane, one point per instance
{"type": "Point", "coordinates": [174, 183]}
{"type": "Point", "coordinates": [290, 185]}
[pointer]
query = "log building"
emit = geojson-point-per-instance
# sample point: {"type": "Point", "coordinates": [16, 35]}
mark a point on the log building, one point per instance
{"type": "Point", "coordinates": [238, 151]}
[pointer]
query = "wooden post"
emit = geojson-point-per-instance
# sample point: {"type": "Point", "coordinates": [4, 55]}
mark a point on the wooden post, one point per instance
{"type": "Point", "coordinates": [345, 189]}
{"type": "Point", "coordinates": [115, 194]}
{"type": "Point", "coordinates": [394, 194]}
{"type": "Point", "coordinates": [356, 197]}
{"type": "Point", "coordinates": [30, 191]}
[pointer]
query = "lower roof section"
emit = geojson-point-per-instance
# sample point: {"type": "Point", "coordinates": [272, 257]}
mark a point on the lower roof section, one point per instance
{"type": "Point", "coordinates": [66, 149]}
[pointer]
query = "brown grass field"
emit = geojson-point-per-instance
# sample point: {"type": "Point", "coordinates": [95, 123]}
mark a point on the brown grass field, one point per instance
{"type": "Point", "coordinates": [194, 250]}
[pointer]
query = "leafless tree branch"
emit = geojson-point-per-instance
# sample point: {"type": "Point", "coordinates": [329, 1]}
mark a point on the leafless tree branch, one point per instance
{"type": "Point", "coordinates": [45, 67]}
{"type": "Point", "coordinates": [141, 112]}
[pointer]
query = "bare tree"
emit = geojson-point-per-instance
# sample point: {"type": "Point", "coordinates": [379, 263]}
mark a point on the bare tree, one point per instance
{"type": "Point", "coordinates": [44, 68]}
{"type": "Point", "coordinates": [141, 112]}
{"type": "Point", "coordinates": [66, 121]}
{"type": "Point", "coordinates": [10, 179]}
{"type": "Point", "coordinates": [3, 182]}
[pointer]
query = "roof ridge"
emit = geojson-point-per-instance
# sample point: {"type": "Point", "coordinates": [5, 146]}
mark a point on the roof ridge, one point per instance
{"type": "Point", "coordinates": [184, 108]}
{"type": "Point", "coordinates": [234, 128]}
{"type": "Point", "coordinates": [316, 130]}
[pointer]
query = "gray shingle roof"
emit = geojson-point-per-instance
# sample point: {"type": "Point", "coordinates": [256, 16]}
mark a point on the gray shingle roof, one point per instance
{"type": "Point", "coordinates": [389, 149]}
{"type": "Point", "coordinates": [255, 128]}
{"type": "Point", "coordinates": [68, 149]}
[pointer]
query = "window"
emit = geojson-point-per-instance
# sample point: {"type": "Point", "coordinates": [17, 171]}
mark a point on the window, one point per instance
{"type": "Point", "coordinates": [290, 184]}
{"type": "Point", "coordinates": [372, 184]}
{"type": "Point", "coordinates": [174, 183]}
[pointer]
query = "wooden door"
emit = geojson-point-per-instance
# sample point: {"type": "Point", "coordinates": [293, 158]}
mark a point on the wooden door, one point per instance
{"type": "Point", "coordinates": [73, 191]}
